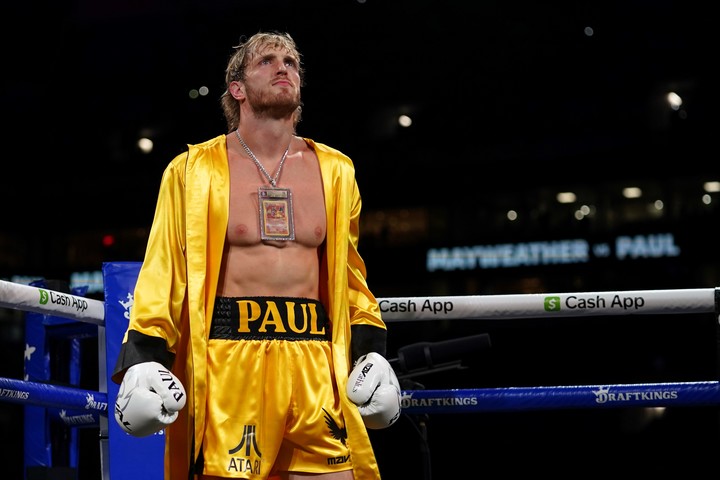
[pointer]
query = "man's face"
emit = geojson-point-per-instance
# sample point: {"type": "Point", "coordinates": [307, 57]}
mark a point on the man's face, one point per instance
{"type": "Point", "coordinates": [272, 83]}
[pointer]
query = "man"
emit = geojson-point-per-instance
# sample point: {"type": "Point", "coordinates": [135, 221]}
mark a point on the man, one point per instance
{"type": "Point", "coordinates": [254, 339]}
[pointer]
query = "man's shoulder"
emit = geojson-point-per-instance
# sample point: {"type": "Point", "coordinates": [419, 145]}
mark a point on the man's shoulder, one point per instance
{"type": "Point", "coordinates": [194, 150]}
{"type": "Point", "coordinates": [211, 144]}
{"type": "Point", "coordinates": [196, 154]}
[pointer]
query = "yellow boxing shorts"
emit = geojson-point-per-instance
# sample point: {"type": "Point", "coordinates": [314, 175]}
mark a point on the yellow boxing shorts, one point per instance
{"type": "Point", "coordinates": [273, 404]}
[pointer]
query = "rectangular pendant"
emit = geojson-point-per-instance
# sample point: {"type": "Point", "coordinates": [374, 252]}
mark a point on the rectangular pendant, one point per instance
{"type": "Point", "coordinates": [276, 214]}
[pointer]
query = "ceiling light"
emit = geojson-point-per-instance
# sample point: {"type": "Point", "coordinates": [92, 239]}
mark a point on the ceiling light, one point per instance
{"type": "Point", "coordinates": [632, 192]}
{"type": "Point", "coordinates": [712, 187]}
{"type": "Point", "coordinates": [566, 197]}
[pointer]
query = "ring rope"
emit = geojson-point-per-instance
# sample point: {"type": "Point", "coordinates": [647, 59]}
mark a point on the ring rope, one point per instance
{"type": "Point", "coordinates": [50, 302]}
{"type": "Point", "coordinates": [51, 395]}
{"type": "Point", "coordinates": [416, 402]}
{"type": "Point", "coordinates": [486, 307]}
{"type": "Point", "coordinates": [561, 397]}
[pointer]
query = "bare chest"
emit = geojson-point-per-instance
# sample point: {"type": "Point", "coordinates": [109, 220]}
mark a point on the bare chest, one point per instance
{"type": "Point", "coordinates": [303, 209]}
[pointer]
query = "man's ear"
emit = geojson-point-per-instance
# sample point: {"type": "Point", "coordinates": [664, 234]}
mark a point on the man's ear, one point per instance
{"type": "Point", "coordinates": [237, 90]}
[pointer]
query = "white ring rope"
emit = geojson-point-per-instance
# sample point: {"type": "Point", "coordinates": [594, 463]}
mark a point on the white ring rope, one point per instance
{"type": "Point", "coordinates": [485, 307]}
{"type": "Point", "coordinates": [50, 302]}
{"type": "Point", "coordinates": [549, 305]}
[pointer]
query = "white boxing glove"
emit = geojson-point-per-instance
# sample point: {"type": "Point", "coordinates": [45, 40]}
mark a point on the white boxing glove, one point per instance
{"type": "Point", "coordinates": [374, 388]}
{"type": "Point", "coordinates": [149, 399]}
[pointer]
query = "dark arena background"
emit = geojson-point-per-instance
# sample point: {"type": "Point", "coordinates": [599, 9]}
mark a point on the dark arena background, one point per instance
{"type": "Point", "coordinates": [501, 148]}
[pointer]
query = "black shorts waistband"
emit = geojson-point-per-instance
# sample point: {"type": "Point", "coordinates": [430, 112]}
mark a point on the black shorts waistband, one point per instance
{"type": "Point", "coordinates": [266, 318]}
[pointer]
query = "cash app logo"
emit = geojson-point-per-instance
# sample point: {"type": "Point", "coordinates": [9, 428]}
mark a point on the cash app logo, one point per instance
{"type": "Point", "coordinates": [44, 297]}
{"type": "Point", "coordinates": [552, 304]}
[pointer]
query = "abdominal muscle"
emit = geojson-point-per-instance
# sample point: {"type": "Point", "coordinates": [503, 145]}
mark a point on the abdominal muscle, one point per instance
{"type": "Point", "coordinates": [266, 270]}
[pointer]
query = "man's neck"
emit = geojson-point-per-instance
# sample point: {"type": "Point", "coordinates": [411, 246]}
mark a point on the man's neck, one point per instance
{"type": "Point", "coordinates": [267, 138]}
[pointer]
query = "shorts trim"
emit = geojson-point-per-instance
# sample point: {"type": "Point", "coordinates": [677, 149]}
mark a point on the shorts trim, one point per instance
{"type": "Point", "coordinates": [269, 318]}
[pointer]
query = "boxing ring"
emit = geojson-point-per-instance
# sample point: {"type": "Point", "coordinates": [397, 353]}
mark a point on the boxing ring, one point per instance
{"type": "Point", "coordinates": [73, 316]}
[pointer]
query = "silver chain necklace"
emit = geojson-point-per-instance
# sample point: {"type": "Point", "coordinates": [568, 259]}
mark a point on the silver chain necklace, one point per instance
{"type": "Point", "coordinates": [272, 180]}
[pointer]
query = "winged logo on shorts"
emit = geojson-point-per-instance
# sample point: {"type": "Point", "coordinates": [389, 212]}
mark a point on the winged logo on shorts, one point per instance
{"type": "Point", "coordinates": [337, 432]}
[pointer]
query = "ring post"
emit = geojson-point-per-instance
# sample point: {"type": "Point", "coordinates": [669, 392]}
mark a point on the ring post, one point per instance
{"type": "Point", "coordinates": [129, 458]}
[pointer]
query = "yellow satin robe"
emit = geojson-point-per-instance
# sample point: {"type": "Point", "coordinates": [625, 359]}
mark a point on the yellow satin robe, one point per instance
{"type": "Point", "coordinates": [178, 279]}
